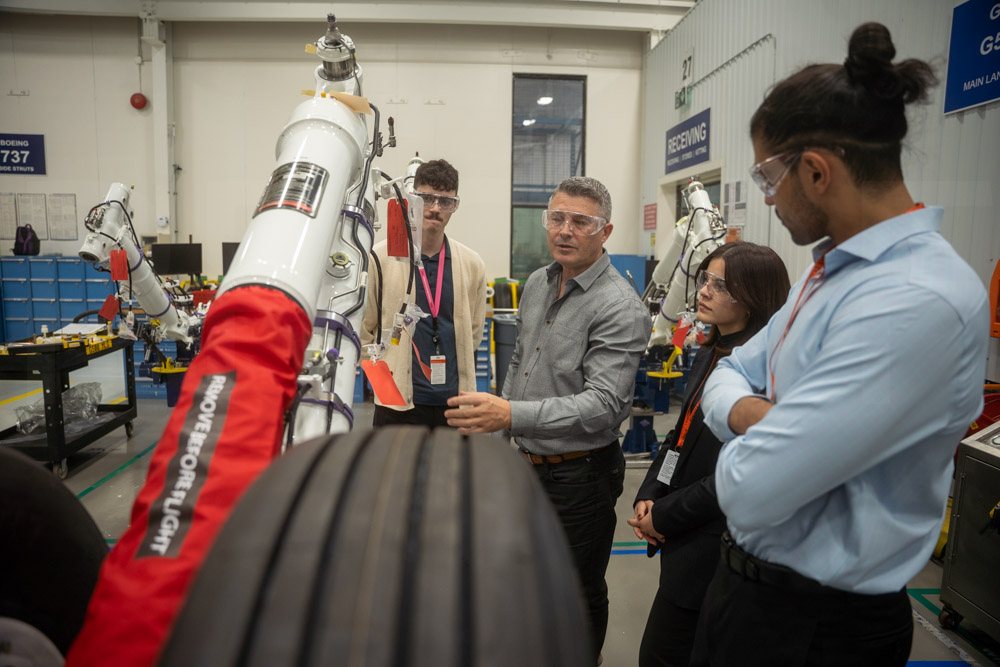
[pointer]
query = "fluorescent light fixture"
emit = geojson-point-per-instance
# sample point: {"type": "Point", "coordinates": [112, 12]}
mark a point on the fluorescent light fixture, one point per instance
{"type": "Point", "coordinates": [528, 121]}
{"type": "Point", "coordinates": [545, 99]}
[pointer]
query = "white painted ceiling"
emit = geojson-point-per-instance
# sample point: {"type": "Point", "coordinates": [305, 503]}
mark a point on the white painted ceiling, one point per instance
{"type": "Point", "coordinates": [651, 16]}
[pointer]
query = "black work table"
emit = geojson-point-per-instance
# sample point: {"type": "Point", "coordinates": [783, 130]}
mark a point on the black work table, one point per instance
{"type": "Point", "coordinates": [52, 363]}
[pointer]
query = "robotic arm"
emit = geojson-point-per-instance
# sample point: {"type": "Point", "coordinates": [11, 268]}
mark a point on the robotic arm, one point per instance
{"type": "Point", "coordinates": [110, 225]}
{"type": "Point", "coordinates": [672, 284]}
{"type": "Point", "coordinates": [280, 342]}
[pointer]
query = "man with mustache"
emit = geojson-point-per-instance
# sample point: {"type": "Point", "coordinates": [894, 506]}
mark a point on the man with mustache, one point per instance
{"type": "Point", "coordinates": [439, 360]}
{"type": "Point", "coordinates": [581, 329]}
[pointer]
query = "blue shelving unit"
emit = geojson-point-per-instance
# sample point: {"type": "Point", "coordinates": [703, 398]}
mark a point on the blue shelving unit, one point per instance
{"type": "Point", "coordinates": [47, 290]}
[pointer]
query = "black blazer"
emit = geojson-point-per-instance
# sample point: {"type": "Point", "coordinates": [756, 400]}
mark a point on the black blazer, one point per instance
{"type": "Point", "coordinates": [687, 511]}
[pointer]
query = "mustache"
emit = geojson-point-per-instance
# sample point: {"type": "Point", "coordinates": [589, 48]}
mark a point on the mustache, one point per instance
{"type": "Point", "coordinates": [433, 216]}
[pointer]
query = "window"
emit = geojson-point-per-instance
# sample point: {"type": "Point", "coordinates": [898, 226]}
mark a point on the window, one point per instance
{"type": "Point", "coordinates": [548, 147]}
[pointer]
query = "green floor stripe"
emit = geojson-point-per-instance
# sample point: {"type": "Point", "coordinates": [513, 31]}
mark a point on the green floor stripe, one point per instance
{"type": "Point", "coordinates": [120, 468]}
{"type": "Point", "coordinates": [918, 595]}
{"type": "Point", "coordinates": [628, 544]}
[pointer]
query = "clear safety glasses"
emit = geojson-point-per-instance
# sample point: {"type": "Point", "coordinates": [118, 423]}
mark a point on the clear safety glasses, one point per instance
{"type": "Point", "coordinates": [768, 174]}
{"type": "Point", "coordinates": [579, 223]}
{"type": "Point", "coordinates": [716, 285]}
{"type": "Point", "coordinates": [445, 203]}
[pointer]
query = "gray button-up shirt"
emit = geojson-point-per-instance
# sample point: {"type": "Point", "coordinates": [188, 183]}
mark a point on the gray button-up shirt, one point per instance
{"type": "Point", "coordinates": [572, 374]}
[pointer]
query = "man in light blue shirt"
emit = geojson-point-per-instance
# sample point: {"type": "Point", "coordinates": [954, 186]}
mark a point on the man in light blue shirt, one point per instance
{"type": "Point", "coordinates": [842, 416]}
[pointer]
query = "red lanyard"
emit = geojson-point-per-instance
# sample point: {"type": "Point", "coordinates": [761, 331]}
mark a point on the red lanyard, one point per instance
{"type": "Point", "coordinates": [689, 415]}
{"type": "Point", "coordinates": [435, 302]}
{"type": "Point", "coordinates": [808, 289]}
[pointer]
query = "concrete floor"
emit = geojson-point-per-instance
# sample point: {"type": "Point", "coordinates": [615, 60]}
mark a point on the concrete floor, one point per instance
{"type": "Point", "coordinates": [107, 475]}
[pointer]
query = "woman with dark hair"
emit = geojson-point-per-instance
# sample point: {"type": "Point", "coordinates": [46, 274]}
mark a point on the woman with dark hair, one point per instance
{"type": "Point", "coordinates": [740, 285]}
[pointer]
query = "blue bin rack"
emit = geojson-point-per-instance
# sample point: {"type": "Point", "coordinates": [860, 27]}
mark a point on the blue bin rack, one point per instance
{"type": "Point", "coordinates": [47, 290]}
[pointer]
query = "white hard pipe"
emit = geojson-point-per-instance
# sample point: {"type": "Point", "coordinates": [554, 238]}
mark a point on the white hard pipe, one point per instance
{"type": "Point", "coordinates": [284, 248]}
{"type": "Point", "coordinates": [696, 230]}
{"type": "Point", "coordinates": [143, 284]}
{"type": "Point", "coordinates": [310, 417]}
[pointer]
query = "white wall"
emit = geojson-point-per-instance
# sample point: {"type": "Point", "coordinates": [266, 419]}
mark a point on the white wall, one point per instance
{"type": "Point", "coordinates": [448, 87]}
{"type": "Point", "coordinates": [79, 74]}
{"type": "Point", "coordinates": [740, 49]}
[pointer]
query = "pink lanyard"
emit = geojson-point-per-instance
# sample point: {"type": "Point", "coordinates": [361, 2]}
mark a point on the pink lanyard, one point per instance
{"type": "Point", "coordinates": [435, 302]}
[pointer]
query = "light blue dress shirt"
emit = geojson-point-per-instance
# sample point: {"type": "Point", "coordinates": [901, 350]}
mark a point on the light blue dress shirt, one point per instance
{"type": "Point", "coordinates": [846, 479]}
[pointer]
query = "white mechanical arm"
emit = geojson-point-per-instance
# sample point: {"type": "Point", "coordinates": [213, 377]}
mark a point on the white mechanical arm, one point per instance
{"type": "Point", "coordinates": [673, 281]}
{"type": "Point", "coordinates": [110, 225]}
{"type": "Point", "coordinates": [312, 233]}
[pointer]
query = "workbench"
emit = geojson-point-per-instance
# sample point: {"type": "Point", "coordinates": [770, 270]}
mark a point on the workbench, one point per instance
{"type": "Point", "coordinates": [52, 363]}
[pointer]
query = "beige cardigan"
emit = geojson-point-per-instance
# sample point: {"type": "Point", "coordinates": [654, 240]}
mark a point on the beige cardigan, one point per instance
{"type": "Point", "coordinates": [468, 277]}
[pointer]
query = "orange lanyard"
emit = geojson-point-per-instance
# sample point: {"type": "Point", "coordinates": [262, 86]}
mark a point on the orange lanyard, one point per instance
{"type": "Point", "coordinates": [808, 289]}
{"type": "Point", "coordinates": [689, 415]}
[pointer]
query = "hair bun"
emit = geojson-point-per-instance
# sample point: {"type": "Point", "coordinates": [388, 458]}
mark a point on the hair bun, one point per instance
{"type": "Point", "coordinates": [869, 60]}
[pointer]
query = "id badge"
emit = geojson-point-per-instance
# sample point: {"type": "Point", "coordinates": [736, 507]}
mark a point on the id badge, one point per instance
{"type": "Point", "coordinates": [668, 467]}
{"type": "Point", "coordinates": [438, 369]}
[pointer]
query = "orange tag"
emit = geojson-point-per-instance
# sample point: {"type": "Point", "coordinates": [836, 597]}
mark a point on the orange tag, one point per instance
{"type": "Point", "coordinates": [118, 265]}
{"type": "Point", "coordinates": [395, 235]}
{"type": "Point", "coordinates": [110, 307]}
{"type": "Point", "coordinates": [383, 384]}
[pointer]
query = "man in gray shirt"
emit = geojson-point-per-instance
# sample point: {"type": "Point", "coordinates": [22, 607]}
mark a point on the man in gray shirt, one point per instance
{"type": "Point", "coordinates": [581, 329]}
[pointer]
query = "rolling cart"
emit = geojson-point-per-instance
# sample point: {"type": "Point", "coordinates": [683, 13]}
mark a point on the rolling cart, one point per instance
{"type": "Point", "coordinates": [970, 587]}
{"type": "Point", "coordinates": [52, 363]}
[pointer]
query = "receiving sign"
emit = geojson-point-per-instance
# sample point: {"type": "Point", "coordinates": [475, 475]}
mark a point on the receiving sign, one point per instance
{"type": "Point", "coordinates": [687, 142]}
{"type": "Point", "coordinates": [974, 56]}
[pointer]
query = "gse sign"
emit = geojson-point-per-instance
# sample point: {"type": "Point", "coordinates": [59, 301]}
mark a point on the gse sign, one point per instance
{"type": "Point", "coordinates": [992, 42]}
{"type": "Point", "coordinates": [974, 55]}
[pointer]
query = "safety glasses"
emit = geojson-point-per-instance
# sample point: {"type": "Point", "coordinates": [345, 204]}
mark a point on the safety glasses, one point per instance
{"type": "Point", "coordinates": [716, 285]}
{"type": "Point", "coordinates": [768, 174]}
{"type": "Point", "coordinates": [445, 203]}
{"type": "Point", "coordinates": [579, 223]}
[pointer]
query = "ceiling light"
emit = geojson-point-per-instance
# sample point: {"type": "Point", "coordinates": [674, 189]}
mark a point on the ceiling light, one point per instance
{"type": "Point", "coordinates": [545, 99]}
{"type": "Point", "coordinates": [528, 121]}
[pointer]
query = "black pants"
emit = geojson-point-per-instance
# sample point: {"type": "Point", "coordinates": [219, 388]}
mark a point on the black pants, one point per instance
{"type": "Point", "coordinates": [669, 634]}
{"type": "Point", "coordinates": [583, 492]}
{"type": "Point", "coordinates": [421, 415]}
{"type": "Point", "coordinates": [747, 622]}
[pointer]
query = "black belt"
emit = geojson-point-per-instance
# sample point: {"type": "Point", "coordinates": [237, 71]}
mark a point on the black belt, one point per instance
{"type": "Point", "coordinates": [757, 570]}
{"type": "Point", "coordinates": [539, 459]}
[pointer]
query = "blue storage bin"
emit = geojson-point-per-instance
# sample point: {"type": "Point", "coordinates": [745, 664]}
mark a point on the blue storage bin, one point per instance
{"type": "Point", "coordinates": [14, 267]}
{"type": "Point", "coordinates": [42, 267]}
{"type": "Point", "coordinates": [45, 309]}
{"type": "Point", "coordinates": [99, 289]}
{"type": "Point", "coordinates": [70, 268]}
{"type": "Point", "coordinates": [70, 308]}
{"type": "Point", "coordinates": [17, 329]}
{"type": "Point", "coordinates": [17, 309]}
{"type": "Point", "coordinates": [16, 288]}
{"type": "Point", "coordinates": [90, 272]}
{"type": "Point", "coordinates": [44, 289]}
{"type": "Point", "coordinates": [51, 322]}
{"type": "Point", "coordinates": [72, 291]}
{"type": "Point", "coordinates": [359, 386]}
